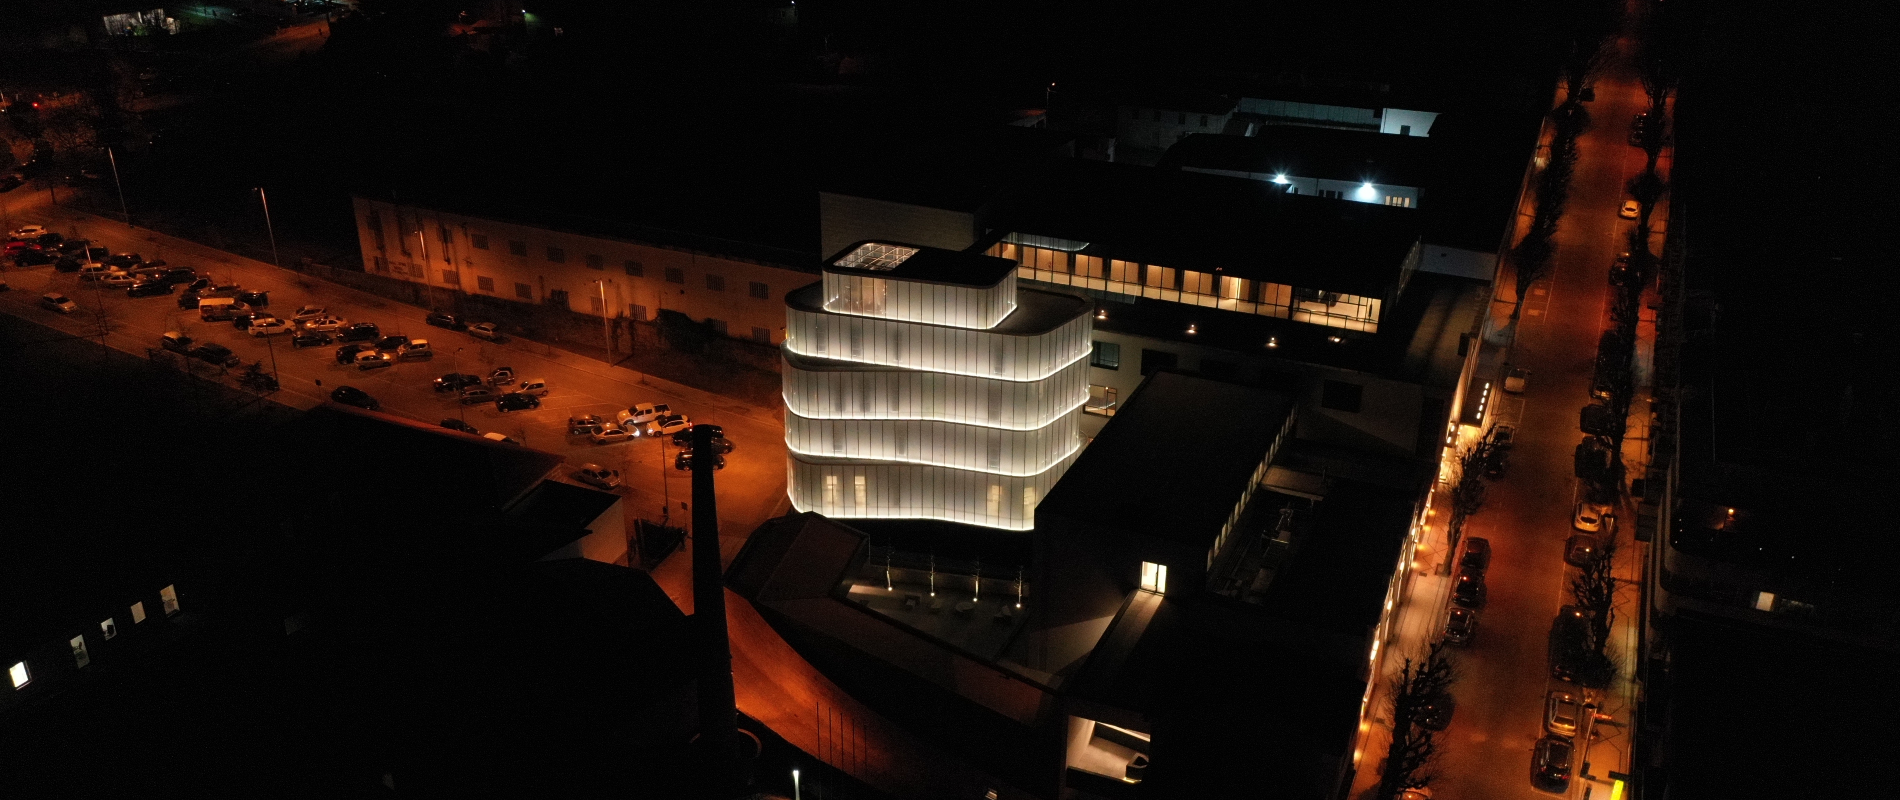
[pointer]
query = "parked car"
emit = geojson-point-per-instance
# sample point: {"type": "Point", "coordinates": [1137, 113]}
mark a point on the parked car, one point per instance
{"type": "Point", "coordinates": [69, 263]}
{"type": "Point", "coordinates": [587, 425]}
{"type": "Point", "coordinates": [243, 320]}
{"type": "Point", "coordinates": [667, 425]}
{"type": "Point", "coordinates": [325, 324]}
{"type": "Point", "coordinates": [445, 320]}
{"type": "Point", "coordinates": [1477, 555]}
{"type": "Point", "coordinates": [303, 339]}
{"type": "Point", "coordinates": [485, 330]}
{"type": "Point", "coordinates": [456, 381]}
{"type": "Point", "coordinates": [214, 353]}
{"type": "Point", "coordinates": [1629, 210]}
{"type": "Point", "coordinates": [1563, 712]}
{"type": "Point", "coordinates": [683, 461]}
{"type": "Point", "coordinates": [55, 301]}
{"type": "Point", "coordinates": [175, 341]}
{"type": "Point", "coordinates": [1503, 437]}
{"type": "Point", "coordinates": [254, 298]}
{"type": "Point", "coordinates": [1515, 378]}
{"type": "Point", "coordinates": [1461, 625]}
{"type": "Point", "coordinates": [33, 258]}
{"type": "Point", "coordinates": [1468, 590]}
{"type": "Point", "coordinates": [124, 260]}
{"type": "Point", "coordinates": [26, 232]}
{"type": "Point", "coordinates": [498, 437]}
{"type": "Point", "coordinates": [117, 280]}
{"type": "Point", "coordinates": [95, 271]}
{"type": "Point", "coordinates": [1580, 550]}
{"type": "Point", "coordinates": [352, 396]}
{"type": "Point", "coordinates": [74, 246]}
{"type": "Point", "coordinates": [1620, 270]}
{"type": "Point", "coordinates": [177, 275]}
{"type": "Point", "coordinates": [516, 401]}
{"type": "Point", "coordinates": [150, 288]}
{"type": "Point", "coordinates": [1589, 516]}
{"type": "Point", "coordinates": [374, 359]}
{"type": "Point", "coordinates": [198, 284]}
{"type": "Point", "coordinates": [502, 376]}
{"type": "Point", "coordinates": [415, 350]}
{"type": "Point", "coordinates": [308, 313]}
{"type": "Point", "coordinates": [270, 326]}
{"type": "Point", "coordinates": [457, 425]}
{"type": "Point", "coordinates": [1436, 715]}
{"type": "Point", "coordinates": [722, 445]}
{"type": "Point", "coordinates": [476, 395]}
{"type": "Point", "coordinates": [598, 476]}
{"type": "Point", "coordinates": [392, 343]}
{"type": "Point", "coordinates": [1550, 764]}
{"type": "Point", "coordinates": [642, 413]}
{"type": "Point", "coordinates": [359, 332]}
{"type": "Point", "coordinates": [1569, 639]}
{"type": "Point", "coordinates": [346, 354]}
{"type": "Point", "coordinates": [1592, 457]}
{"type": "Point", "coordinates": [611, 434]}
{"type": "Point", "coordinates": [1496, 463]}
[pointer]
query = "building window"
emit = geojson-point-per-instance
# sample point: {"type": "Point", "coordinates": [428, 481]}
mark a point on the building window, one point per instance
{"type": "Point", "coordinates": [442, 232]}
{"type": "Point", "coordinates": [1197, 282]}
{"type": "Point", "coordinates": [19, 675]}
{"type": "Point", "coordinates": [138, 613]}
{"type": "Point", "coordinates": [762, 335]}
{"type": "Point", "coordinates": [518, 248]}
{"type": "Point", "coordinates": [833, 496]}
{"type": "Point", "coordinates": [635, 268]}
{"type": "Point", "coordinates": [1395, 200]}
{"type": "Point", "coordinates": [716, 283]}
{"type": "Point", "coordinates": [675, 275]}
{"type": "Point", "coordinates": [557, 255]}
{"type": "Point", "coordinates": [382, 264]}
{"type": "Point", "coordinates": [1341, 396]}
{"type": "Point", "coordinates": [1764, 601]}
{"type": "Point", "coordinates": [596, 262]}
{"type": "Point", "coordinates": [1106, 356]}
{"type": "Point", "coordinates": [761, 291]}
{"type": "Point", "coordinates": [418, 271]}
{"type": "Point", "coordinates": [478, 241]}
{"type": "Point", "coordinates": [1102, 401]}
{"type": "Point", "coordinates": [1153, 361]}
{"type": "Point", "coordinates": [995, 503]}
{"type": "Point", "coordinates": [1183, 118]}
{"type": "Point", "coordinates": [637, 312]}
{"type": "Point", "coordinates": [1332, 193]}
{"type": "Point", "coordinates": [108, 629]}
{"type": "Point", "coordinates": [1160, 277]}
{"type": "Point", "coordinates": [80, 657]}
{"type": "Point", "coordinates": [558, 297]}
{"type": "Point", "coordinates": [593, 304]}
{"type": "Point", "coordinates": [376, 230]}
{"type": "Point", "coordinates": [717, 325]}
{"type": "Point", "coordinates": [484, 284]}
{"type": "Point", "coordinates": [524, 291]}
{"type": "Point", "coordinates": [1154, 577]}
{"type": "Point", "coordinates": [1124, 271]}
{"type": "Point", "coordinates": [453, 277]}
{"type": "Point", "coordinates": [1203, 120]}
{"type": "Point", "coordinates": [858, 489]}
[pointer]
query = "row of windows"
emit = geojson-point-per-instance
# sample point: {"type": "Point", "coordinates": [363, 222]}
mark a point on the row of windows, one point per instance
{"type": "Point", "coordinates": [21, 674]}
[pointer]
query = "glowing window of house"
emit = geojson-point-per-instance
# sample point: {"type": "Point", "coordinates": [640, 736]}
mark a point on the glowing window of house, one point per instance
{"type": "Point", "coordinates": [857, 485]}
{"type": "Point", "coordinates": [80, 657]}
{"type": "Point", "coordinates": [19, 675]}
{"type": "Point", "coordinates": [1162, 277]}
{"type": "Point", "coordinates": [138, 612]}
{"type": "Point", "coordinates": [832, 493]}
{"type": "Point", "coordinates": [996, 499]}
{"type": "Point", "coordinates": [1764, 601]}
{"type": "Point", "coordinates": [1124, 271]}
{"type": "Point", "coordinates": [1029, 499]}
{"type": "Point", "coordinates": [169, 595]}
{"type": "Point", "coordinates": [872, 255]}
{"type": "Point", "coordinates": [109, 628]}
{"type": "Point", "coordinates": [1088, 266]}
{"type": "Point", "coordinates": [1154, 577]}
{"type": "Point", "coordinates": [1197, 282]}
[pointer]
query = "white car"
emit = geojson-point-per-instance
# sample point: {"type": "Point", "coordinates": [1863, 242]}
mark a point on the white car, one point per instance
{"type": "Point", "coordinates": [30, 232]}
{"type": "Point", "coordinates": [598, 476]}
{"type": "Point", "coordinates": [642, 414]}
{"type": "Point", "coordinates": [97, 271]}
{"type": "Point", "coordinates": [324, 324]}
{"type": "Point", "coordinates": [485, 330]}
{"type": "Point", "coordinates": [611, 434]}
{"type": "Point", "coordinates": [372, 359]}
{"type": "Point", "coordinates": [1630, 210]}
{"type": "Point", "coordinates": [308, 313]}
{"type": "Point", "coordinates": [1590, 516]}
{"type": "Point", "coordinates": [667, 425]}
{"type": "Point", "coordinates": [269, 327]}
{"type": "Point", "coordinates": [118, 280]}
{"type": "Point", "coordinates": [1514, 380]}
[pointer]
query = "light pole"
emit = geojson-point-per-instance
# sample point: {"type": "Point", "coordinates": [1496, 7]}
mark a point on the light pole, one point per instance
{"type": "Point", "coordinates": [267, 226]}
{"type": "Point", "coordinates": [606, 323]}
{"type": "Point", "coordinates": [1045, 96]}
{"type": "Point", "coordinates": [796, 795]}
{"type": "Point", "coordinates": [116, 182]}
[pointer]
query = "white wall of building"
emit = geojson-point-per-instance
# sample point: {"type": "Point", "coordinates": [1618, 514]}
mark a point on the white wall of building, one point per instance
{"type": "Point", "coordinates": [1159, 128]}
{"type": "Point", "coordinates": [1403, 122]}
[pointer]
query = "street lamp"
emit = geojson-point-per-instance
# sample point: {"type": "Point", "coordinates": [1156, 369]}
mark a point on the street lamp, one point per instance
{"type": "Point", "coordinates": [606, 324]}
{"type": "Point", "coordinates": [267, 226]}
{"type": "Point", "coordinates": [116, 182]}
{"type": "Point", "coordinates": [795, 790]}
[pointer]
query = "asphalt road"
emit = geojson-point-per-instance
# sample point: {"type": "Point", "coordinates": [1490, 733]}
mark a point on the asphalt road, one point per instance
{"type": "Point", "coordinates": [752, 487]}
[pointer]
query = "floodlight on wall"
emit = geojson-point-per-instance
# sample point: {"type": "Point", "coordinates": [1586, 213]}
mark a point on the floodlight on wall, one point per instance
{"type": "Point", "coordinates": [1191, 329]}
{"type": "Point", "coordinates": [1366, 192]}
{"type": "Point", "coordinates": [1281, 179]}
{"type": "Point", "coordinates": [1273, 341]}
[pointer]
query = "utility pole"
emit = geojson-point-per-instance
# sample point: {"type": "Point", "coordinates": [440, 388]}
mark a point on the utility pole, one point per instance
{"type": "Point", "coordinates": [606, 322]}
{"type": "Point", "coordinates": [268, 228]}
{"type": "Point", "coordinates": [116, 182]}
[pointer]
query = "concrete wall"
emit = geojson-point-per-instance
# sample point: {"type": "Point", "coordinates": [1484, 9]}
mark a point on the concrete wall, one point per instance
{"type": "Point", "coordinates": [844, 219]}
{"type": "Point", "coordinates": [636, 273]}
{"type": "Point", "coordinates": [1139, 126]}
{"type": "Point", "coordinates": [1407, 123]}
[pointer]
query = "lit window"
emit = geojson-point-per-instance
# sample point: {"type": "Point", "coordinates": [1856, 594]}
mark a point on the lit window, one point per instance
{"type": "Point", "coordinates": [19, 675]}
{"type": "Point", "coordinates": [857, 484]}
{"type": "Point", "coordinates": [1106, 355]}
{"type": "Point", "coordinates": [1154, 577]}
{"type": "Point", "coordinates": [108, 629]}
{"type": "Point", "coordinates": [80, 657]}
{"type": "Point", "coordinates": [169, 595]}
{"type": "Point", "coordinates": [1764, 601]}
{"type": "Point", "coordinates": [996, 499]}
{"type": "Point", "coordinates": [833, 494]}
{"type": "Point", "coordinates": [138, 613]}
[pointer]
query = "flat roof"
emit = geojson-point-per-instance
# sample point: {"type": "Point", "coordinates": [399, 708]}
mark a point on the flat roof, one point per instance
{"type": "Point", "coordinates": [1335, 580]}
{"type": "Point", "coordinates": [920, 264]}
{"type": "Point", "coordinates": [1343, 155]}
{"type": "Point", "coordinates": [1212, 223]}
{"type": "Point", "coordinates": [1036, 312]}
{"type": "Point", "coordinates": [1173, 460]}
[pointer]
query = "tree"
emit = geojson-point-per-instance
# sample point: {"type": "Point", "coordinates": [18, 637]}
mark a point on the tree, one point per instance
{"type": "Point", "coordinates": [1594, 589]}
{"type": "Point", "coordinates": [1419, 684]}
{"type": "Point", "coordinates": [1467, 495]}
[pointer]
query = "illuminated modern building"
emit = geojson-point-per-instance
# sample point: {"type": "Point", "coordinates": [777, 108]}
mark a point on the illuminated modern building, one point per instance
{"type": "Point", "coordinates": [920, 383]}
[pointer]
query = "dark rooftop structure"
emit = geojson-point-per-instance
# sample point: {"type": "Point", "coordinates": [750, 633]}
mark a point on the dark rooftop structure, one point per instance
{"type": "Point", "coordinates": [1154, 470]}
{"type": "Point", "coordinates": [920, 264]}
{"type": "Point", "coordinates": [1036, 312]}
{"type": "Point", "coordinates": [1309, 152]}
{"type": "Point", "coordinates": [1216, 224]}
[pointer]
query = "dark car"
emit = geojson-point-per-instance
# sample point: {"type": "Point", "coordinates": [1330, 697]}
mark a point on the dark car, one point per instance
{"type": "Point", "coordinates": [352, 396]}
{"type": "Point", "coordinates": [1461, 625]}
{"type": "Point", "coordinates": [684, 461]}
{"type": "Point", "coordinates": [198, 285]}
{"type": "Point", "coordinates": [74, 246]}
{"type": "Point", "coordinates": [722, 445]}
{"type": "Point", "coordinates": [444, 320]}
{"type": "Point", "coordinates": [34, 258]}
{"type": "Point", "coordinates": [124, 260]}
{"type": "Point", "coordinates": [458, 425]}
{"type": "Point", "coordinates": [517, 401]}
{"type": "Point", "coordinates": [1620, 270]}
{"type": "Point", "coordinates": [214, 353]}
{"type": "Point", "coordinates": [1592, 455]}
{"type": "Point", "coordinates": [242, 321]}
{"type": "Point", "coordinates": [1468, 591]}
{"type": "Point", "coordinates": [359, 332]}
{"type": "Point", "coordinates": [1550, 764]}
{"type": "Point", "coordinates": [69, 263]}
{"type": "Point", "coordinates": [304, 339]}
{"type": "Point", "coordinates": [178, 275]}
{"type": "Point", "coordinates": [1477, 554]}
{"type": "Point", "coordinates": [1581, 550]}
{"type": "Point", "coordinates": [149, 289]}
{"type": "Point", "coordinates": [1569, 642]}
{"type": "Point", "coordinates": [473, 395]}
{"type": "Point", "coordinates": [1496, 463]}
{"type": "Point", "coordinates": [254, 298]}
{"type": "Point", "coordinates": [347, 353]}
{"type": "Point", "coordinates": [392, 343]}
{"type": "Point", "coordinates": [456, 381]}
{"type": "Point", "coordinates": [49, 240]}
{"type": "Point", "coordinates": [1436, 715]}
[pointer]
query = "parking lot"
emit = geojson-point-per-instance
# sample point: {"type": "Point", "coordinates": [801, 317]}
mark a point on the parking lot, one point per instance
{"type": "Point", "coordinates": [752, 486]}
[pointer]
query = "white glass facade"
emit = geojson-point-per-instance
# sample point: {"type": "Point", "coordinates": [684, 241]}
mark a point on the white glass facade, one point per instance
{"type": "Point", "coordinates": [913, 397]}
